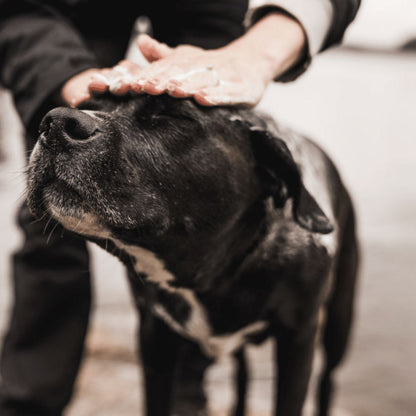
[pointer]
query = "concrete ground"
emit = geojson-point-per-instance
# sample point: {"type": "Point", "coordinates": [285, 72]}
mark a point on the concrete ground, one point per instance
{"type": "Point", "coordinates": [361, 108]}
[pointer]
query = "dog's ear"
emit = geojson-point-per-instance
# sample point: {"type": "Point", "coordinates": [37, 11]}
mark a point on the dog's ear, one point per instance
{"type": "Point", "coordinates": [284, 180]}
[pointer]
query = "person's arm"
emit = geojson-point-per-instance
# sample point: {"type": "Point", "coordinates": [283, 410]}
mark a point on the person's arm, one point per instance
{"type": "Point", "coordinates": [277, 46]}
{"type": "Point", "coordinates": [323, 21]}
{"type": "Point", "coordinates": [280, 41]}
{"type": "Point", "coordinates": [39, 51]}
{"type": "Point", "coordinates": [237, 73]}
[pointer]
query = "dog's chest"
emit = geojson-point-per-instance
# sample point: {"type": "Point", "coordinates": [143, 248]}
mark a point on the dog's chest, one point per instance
{"type": "Point", "coordinates": [183, 310]}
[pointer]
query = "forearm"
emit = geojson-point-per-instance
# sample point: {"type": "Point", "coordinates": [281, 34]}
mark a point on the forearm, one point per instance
{"type": "Point", "coordinates": [274, 44]}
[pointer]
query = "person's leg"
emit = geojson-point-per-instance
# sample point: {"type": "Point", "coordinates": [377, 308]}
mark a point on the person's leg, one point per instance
{"type": "Point", "coordinates": [43, 346]}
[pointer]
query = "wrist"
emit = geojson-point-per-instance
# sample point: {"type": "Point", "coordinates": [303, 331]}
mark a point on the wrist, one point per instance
{"type": "Point", "coordinates": [274, 44]}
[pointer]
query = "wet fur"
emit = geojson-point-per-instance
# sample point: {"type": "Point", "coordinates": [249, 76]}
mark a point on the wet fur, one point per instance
{"type": "Point", "coordinates": [232, 229]}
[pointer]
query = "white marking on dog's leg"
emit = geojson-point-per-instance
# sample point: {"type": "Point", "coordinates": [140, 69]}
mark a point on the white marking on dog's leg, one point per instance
{"type": "Point", "coordinates": [145, 261]}
{"type": "Point", "coordinates": [222, 345]}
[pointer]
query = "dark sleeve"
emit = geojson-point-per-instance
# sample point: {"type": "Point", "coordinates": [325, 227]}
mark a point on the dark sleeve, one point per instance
{"type": "Point", "coordinates": [39, 51]}
{"type": "Point", "coordinates": [210, 23]}
{"type": "Point", "coordinates": [344, 13]}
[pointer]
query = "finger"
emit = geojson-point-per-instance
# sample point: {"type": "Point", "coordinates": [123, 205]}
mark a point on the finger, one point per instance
{"type": "Point", "coordinates": [215, 96]}
{"type": "Point", "coordinates": [228, 96]}
{"type": "Point", "coordinates": [195, 80]}
{"type": "Point", "coordinates": [151, 49]}
{"type": "Point", "coordinates": [133, 77]}
{"type": "Point", "coordinates": [153, 88]}
{"type": "Point", "coordinates": [75, 100]}
{"type": "Point", "coordinates": [136, 86]}
{"type": "Point", "coordinates": [98, 83]}
{"type": "Point", "coordinates": [120, 79]}
{"type": "Point", "coordinates": [119, 87]}
{"type": "Point", "coordinates": [177, 91]}
{"type": "Point", "coordinates": [155, 79]}
{"type": "Point", "coordinates": [203, 100]}
{"type": "Point", "coordinates": [117, 80]}
{"type": "Point", "coordinates": [148, 77]}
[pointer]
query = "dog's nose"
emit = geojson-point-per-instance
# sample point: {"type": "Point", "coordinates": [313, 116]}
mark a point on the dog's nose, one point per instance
{"type": "Point", "coordinates": [68, 123]}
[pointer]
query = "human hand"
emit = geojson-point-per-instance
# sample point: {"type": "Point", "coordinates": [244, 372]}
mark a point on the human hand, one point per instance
{"type": "Point", "coordinates": [213, 77]}
{"type": "Point", "coordinates": [224, 76]}
{"type": "Point", "coordinates": [80, 87]}
{"type": "Point", "coordinates": [235, 74]}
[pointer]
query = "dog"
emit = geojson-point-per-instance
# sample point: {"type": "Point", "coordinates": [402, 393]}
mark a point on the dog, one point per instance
{"type": "Point", "coordinates": [232, 228]}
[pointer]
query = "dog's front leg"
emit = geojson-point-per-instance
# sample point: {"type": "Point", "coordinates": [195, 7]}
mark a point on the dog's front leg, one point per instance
{"type": "Point", "coordinates": [294, 354]}
{"type": "Point", "coordinates": [158, 348]}
{"type": "Point", "coordinates": [189, 395]}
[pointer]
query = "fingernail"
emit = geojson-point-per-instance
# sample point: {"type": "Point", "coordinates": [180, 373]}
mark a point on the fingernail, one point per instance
{"type": "Point", "coordinates": [153, 85]}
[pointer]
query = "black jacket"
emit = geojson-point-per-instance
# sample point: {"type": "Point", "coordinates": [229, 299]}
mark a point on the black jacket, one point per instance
{"type": "Point", "coordinates": [344, 13]}
{"type": "Point", "coordinates": [44, 43]}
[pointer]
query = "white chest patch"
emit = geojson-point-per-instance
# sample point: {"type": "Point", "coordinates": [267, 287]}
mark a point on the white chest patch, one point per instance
{"type": "Point", "coordinates": [197, 326]}
{"type": "Point", "coordinates": [145, 261]}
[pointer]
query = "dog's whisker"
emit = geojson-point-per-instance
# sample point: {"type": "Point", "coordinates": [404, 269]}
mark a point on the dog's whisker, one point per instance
{"type": "Point", "coordinates": [50, 234]}
{"type": "Point", "coordinates": [137, 274]}
{"type": "Point", "coordinates": [21, 196]}
{"type": "Point", "coordinates": [77, 226]}
{"type": "Point", "coordinates": [18, 172]}
{"type": "Point", "coordinates": [36, 220]}
{"type": "Point", "coordinates": [47, 224]}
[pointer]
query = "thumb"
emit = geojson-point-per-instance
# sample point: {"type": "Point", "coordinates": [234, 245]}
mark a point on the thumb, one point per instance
{"type": "Point", "coordinates": [151, 49]}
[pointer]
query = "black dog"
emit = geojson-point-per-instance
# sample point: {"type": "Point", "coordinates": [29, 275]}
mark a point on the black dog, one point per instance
{"type": "Point", "coordinates": [232, 229]}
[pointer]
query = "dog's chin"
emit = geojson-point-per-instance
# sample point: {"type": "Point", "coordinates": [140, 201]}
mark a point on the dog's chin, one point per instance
{"type": "Point", "coordinates": [69, 208]}
{"type": "Point", "coordinates": [86, 224]}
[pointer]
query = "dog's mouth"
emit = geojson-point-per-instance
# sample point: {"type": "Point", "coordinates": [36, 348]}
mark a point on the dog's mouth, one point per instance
{"type": "Point", "coordinates": [49, 194]}
{"type": "Point", "coordinates": [68, 207]}
{"type": "Point", "coordinates": [58, 197]}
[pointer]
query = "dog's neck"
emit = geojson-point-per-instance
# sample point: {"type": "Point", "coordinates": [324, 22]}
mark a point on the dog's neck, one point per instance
{"type": "Point", "coordinates": [194, 261]}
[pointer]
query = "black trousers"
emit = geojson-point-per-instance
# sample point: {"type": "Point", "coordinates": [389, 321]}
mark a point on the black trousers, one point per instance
{"type": "Point", "coordinates": [43, 346]}
{"type": "Point", "coordinates": [52, 296]}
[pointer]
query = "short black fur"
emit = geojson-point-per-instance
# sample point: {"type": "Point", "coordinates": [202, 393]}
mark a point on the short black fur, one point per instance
{"type": "Point", "coordinates": [218, 197]}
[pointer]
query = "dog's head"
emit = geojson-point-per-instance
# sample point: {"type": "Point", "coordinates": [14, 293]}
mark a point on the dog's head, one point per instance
{"type": "Point", "coordinates": [141, 168]}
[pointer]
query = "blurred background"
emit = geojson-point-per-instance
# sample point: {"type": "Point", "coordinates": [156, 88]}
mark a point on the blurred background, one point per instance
{"type": "Point", "coordinates": [359, 102]}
